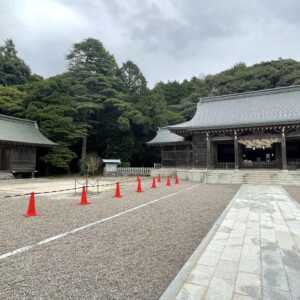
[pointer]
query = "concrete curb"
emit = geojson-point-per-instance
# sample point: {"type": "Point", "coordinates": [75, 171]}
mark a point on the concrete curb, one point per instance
{"type": "Point", "coordinates": [176, 284]}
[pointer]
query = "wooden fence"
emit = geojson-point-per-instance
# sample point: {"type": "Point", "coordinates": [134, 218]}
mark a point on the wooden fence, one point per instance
{"type": "Point", "coordinates": [134, 171]}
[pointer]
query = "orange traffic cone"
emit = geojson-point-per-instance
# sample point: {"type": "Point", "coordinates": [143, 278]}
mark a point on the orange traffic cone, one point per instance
{"type": "Point", "coordinates": [168, 182]}
{"type": "Point", "coordinates": [84, 200]}
{"type": "Point", "coordinates": [31, 212]}
{"type": "Point", "coordinates": [176, 180]}
{"type": "Point", "coordinates": [118, 191]}
{"type": "Point", "coordinates": [153, 183]}
{"type": "Point", "coordinates": [158, 179]}
{"type": "Point", "coordinates": [139, 186]}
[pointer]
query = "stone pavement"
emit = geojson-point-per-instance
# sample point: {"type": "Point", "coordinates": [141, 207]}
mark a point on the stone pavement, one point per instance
{"type": "Point", "coordinates": [255, 252]}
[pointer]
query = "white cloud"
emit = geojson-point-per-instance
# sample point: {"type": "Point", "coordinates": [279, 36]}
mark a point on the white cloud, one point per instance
{"type": "Point", "coordinates": [168, 39]}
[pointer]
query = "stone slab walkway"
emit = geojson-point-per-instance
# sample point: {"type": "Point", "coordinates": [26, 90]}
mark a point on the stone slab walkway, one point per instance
{"type": "Point", "coordinates": [255, 252]}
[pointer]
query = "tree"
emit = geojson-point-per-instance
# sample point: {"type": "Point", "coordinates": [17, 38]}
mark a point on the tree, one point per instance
{"type": "Point", "coordinates": [51, 104]}
{"type": "Point", "coordinates": [118, 119]}
{"type": "Point", "coordinates": [133, 79]}
{"type": "Point", "coordinates": [91, 57]}
{"type": "Point", "coordinates": [11, 101]}
{"type": "Point", "coordinates": [112, 109]}
{"type": "Point", "coordinates": [13, 70]}
{"type": "Point", "coordinates": [93, 72]}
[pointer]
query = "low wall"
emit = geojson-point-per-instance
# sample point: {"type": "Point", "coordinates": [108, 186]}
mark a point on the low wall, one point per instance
{"type": "Point", "coordinates": [218, 176]}
{"type": "Point", "coordinates": [196, 175]}
{"type": "Point", "coordinates": [163, 172]}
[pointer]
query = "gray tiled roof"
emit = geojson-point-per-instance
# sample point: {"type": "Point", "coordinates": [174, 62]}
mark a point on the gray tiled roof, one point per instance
{"type": "Point", "coordinates": [165, 136]}
{"type": "Point", "coordinates": [112, 161]}
{"type": "Point", "coordinates": [273, 106]}
{"type": "Point", "coordinates": [22, 131]}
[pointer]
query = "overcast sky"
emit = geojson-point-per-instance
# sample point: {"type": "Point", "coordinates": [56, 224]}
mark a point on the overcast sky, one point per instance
{"type": "Point", "coordinates": [167, 39]}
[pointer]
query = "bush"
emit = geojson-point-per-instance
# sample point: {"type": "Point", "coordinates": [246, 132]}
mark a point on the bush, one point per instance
{"type": "Point", "coordinates": [90, 165]}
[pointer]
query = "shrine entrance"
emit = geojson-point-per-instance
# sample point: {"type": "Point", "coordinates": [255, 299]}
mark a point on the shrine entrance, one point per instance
{"type": "Point", "coordinates": [259, 157]}
{"type": "Point", "coordinates": [261, 152]}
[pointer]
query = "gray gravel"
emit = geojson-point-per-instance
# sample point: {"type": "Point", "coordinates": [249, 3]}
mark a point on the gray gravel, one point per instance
{"type": "Point", "coordinates": [134, 256]}
{"type": "Point", "coordinates": [60, 212]}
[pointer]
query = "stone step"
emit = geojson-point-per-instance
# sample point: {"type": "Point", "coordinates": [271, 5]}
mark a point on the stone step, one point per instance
{"type": "Point", "coordinates": [242, 176]}
{"type": "Point", "coordinates": [4, 175]}
{"type": "Point", "coordinates": [257, 177]}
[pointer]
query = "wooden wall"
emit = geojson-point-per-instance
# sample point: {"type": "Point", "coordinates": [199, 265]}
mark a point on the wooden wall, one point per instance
{"type": "Point", "coordinates": [188, 155]}
{"type": "Point", "coordinates": [177, 155]}
{"type": "Point", "coordinates": [17, 158]}
{"type": "Point", "coordinates": [199, 150]}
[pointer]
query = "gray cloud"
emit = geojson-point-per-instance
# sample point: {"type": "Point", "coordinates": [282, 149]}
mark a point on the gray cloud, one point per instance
{"type": "Point", "coordinates": [170, 39]}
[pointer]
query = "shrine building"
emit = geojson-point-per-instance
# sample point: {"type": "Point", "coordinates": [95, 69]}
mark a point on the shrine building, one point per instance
{"type": "Point", "coordinates": [258, 129]}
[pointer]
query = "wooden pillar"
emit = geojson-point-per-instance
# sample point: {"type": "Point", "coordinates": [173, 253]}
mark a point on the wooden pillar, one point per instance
{"type": "Point", "coordinates": [1, 159]}
{"type": "Point", "coordinates": [236, 151]}
{"type": "Point", "coordinates": [162, 156]}
{"type": "Point", "coordinates": [283, 149]}
{"type": "Point", "coordinates": [208, 151]}
{"type": "Point", "coordinates": [83, 148]}
{"type": "Point", "coordinates": [175, 156]}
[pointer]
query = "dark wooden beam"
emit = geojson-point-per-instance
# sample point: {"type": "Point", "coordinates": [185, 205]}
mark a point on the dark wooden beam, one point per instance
{"type": "Point", "coordinates": [208, 151]}
{"type": "Point", "coordinates": [283, 149]}
{"type": "Point", "coordinates": [236, 151]}
{"type": "Point", "coordinates": [221, 138]}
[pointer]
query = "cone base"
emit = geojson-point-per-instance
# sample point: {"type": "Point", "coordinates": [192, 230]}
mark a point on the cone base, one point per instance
{"type": "Point", "coordinates": [30, 215]}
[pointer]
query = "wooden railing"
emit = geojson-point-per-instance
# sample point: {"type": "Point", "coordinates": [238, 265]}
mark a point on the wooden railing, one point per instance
{"type": "Point", "coordinates": [133, 171]}
{"type": "Point", "coordinates": [260, 164]}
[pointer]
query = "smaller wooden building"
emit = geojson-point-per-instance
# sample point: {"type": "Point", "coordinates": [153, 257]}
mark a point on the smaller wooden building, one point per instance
{"type": "Point", "coordinates": [111, 166]}
{"type": "Point", "coordinates": [19, 140]}
{"type": "Point", "coordinates": [175, 150]}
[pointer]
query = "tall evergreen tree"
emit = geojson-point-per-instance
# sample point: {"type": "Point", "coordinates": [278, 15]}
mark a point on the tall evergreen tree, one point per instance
{"type": "Point", "coordinates": [93, 71]}
{"type": "Point", "coordinates": [133, 79]}
{"type": "Point", "coordinates": [13, 70]}
{"type": "Point", "coordinates": [91, 57]}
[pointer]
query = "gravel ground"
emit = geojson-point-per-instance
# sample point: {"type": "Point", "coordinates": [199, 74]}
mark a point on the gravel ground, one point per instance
{"type": "Point", "coordinates": [134, 256]}
{"type": "Point", "coordinates": [19, 186]}
{"type": "Point", "coordinates": [60, 212]}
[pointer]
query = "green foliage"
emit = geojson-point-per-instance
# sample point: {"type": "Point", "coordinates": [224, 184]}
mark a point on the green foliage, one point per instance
{"type": "Point", "coordinates": [240, 78]}
{"type": "Point", "coordinates": [13, 70]}
{"type": "Point", "coordinates": [11, 100]}
{"type": "Point", "coordinates": [133, 79]}
{"type": "Point", "coordinates": [91, 57]}
{"type": "Point", "coordinates": [125, 164]}
{"type": "Point", "coordinates": [90, 165]}
{"type": "Point", "coordinates": [49, 103]}
{"type": "Point", "coordinates": [60, 157]}
{"type": "Point", "coordinates": [112, 106]}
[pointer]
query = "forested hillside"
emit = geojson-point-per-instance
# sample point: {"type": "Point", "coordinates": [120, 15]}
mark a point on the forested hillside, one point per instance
{"type": "Point", "coordinates": [110, 106]}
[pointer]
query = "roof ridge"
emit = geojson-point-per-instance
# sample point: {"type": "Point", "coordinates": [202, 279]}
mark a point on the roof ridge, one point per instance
{"type": "Point", "coordinates": [2, 116]}
{"type": "Point", "coordinates": [234, 96]}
